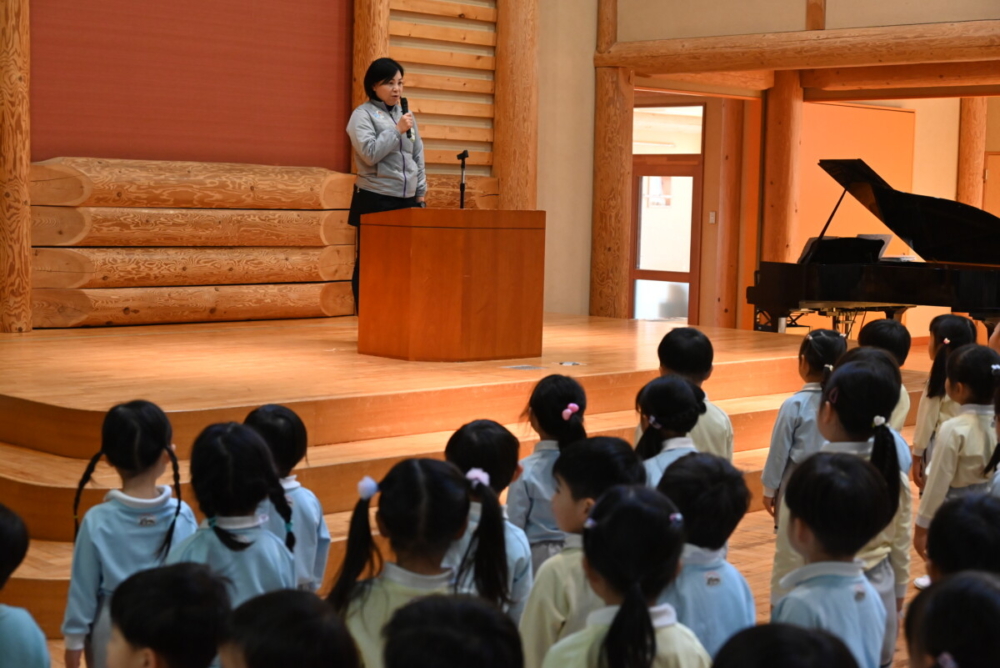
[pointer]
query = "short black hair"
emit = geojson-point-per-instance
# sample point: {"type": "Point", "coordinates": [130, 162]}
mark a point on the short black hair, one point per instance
{"type": "Point", "coordinates": [842, 498]}
{"type": "Point", "coordinates": [13, 543]}
{"type": "Point", "coordinates": [486, 445]}
{"type": "Point", "coordinates": [381, 70]}
{"type": "Point", "coordinates": [178, 611]}
{"type": "Point", "coordinates": [687, 352]}
{"type": "Point", "coordinates": [710, 493]}
{"type": "Point", "coordinates": [965, 535]}
{"type": "Point", "coordinates": [595, 465]}
{"type": "Point", "coordinates": [957, 616]}
{"type": "Point", "coordinates": [283, 432]}
{"type": "Point", "coordinates": [784, 646]}
{"type": "Point", "coordinates": [291, 628]}
{"type": "Point", "coordinates": [887, 334]}
{"type": "Point", "coordinates": [437, 631]}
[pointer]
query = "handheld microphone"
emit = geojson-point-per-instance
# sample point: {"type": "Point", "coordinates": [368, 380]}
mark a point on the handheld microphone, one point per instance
{"type": "Point", "coordinates": [406, 109]}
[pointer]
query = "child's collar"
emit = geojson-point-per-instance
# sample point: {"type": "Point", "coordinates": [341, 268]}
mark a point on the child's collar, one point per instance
{"type": "Point", "coordinates": [290, 483]}
{"type": "Point", "coordinates": [661, 615]}
{"type": "Point", "coordinates": [844, 569]}
{"type": "Point", "coordinates": [395, 573]}
{"type": "Point", "coordinates": [233, 523]}
{"type": "Point", "coordinates": [140, 504]}
{"type": "Point", "coordinates": [700, 556]}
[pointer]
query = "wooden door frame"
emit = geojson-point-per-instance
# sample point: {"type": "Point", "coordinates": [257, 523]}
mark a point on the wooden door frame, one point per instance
{"type": "Point", "coordinates": [668, 165]}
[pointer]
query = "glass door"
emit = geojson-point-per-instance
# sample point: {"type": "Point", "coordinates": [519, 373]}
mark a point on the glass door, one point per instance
{"type": "Point", "coordinates": [666, 237]}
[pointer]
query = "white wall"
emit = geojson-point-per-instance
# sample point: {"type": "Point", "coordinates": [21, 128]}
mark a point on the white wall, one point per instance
{"type": "Point", "coordinates": [567, 36]}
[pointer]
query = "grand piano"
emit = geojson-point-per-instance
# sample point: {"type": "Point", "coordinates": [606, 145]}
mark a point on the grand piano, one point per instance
{"type": "Point", "coordinates": [841, 278]}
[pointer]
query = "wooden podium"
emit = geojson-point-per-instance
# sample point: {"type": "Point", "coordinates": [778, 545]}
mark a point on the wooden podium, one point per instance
{"type": "Point", "coordinates": [452, 285]}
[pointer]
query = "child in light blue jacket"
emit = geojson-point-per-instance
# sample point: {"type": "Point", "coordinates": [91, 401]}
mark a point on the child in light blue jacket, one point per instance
{"type": "Point", "coordinates": [286, 437]}
{"type": "Point", "coordinates": [22, 642]}
{"type": "Point", "coordinates": [710, 596]}
{"type": "Point", "coordinates": [232, 472]}
{"type": "Point", "coordinates": [131, 531]}
{"type": "Point", "coordinates": [669, 407]}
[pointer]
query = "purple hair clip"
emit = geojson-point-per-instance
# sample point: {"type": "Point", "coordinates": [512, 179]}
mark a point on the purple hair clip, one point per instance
{"type": "Point", "coordinates": [946, 660]}
{"type": "Point", "coordinates": [589, 523]}
{"type": "Point", "coordinates": [676, 519]}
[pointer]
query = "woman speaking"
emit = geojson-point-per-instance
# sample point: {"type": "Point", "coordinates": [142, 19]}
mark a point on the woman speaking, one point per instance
{"type": "Point", "coordinates": [388, 151]}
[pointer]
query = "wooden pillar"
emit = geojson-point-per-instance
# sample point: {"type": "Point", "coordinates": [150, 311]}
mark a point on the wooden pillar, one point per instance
{"type": "Point", "coordinates": [815, 14]}
{"type": "Point", "coordinates": [783, 136]}
{"type": "Point", "coordinates": [607, 24]}
{"type": "Point", "coordinates": [727, 248]}
{"type": "Point", "coordinates": [515, 149]}
{"type": "Point", "coordinates": [371, 40]}
{"type": "Point", "coordinates": [971, 151]}
{"type": "Point", "coordinates": [15, 160]}
{"type": "Point", "coordinates": [612, 226]}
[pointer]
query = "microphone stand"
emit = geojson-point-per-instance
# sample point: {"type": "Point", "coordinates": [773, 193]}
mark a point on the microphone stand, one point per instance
{"type": "Point", "coordinates": [461, 188]}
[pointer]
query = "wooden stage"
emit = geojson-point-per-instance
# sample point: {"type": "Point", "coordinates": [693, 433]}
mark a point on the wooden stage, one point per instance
{"type": "Point", "coordinates": [363, 413]}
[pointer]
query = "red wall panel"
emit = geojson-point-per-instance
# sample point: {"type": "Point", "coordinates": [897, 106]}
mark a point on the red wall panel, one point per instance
{"type": "Point", "coordinates": [255, 81]}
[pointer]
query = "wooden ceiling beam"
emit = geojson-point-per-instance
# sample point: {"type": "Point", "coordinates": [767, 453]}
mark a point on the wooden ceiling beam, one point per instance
{"type": "Point", "coordinates": [747, 79]}
{"type": "Point", "coordinates": [818, 95]}
{"type": "Point", "coordinates": [932, 75]}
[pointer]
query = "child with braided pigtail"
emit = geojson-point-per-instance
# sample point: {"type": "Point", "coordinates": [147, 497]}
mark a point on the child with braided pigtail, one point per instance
{"type": "Point", "coordinates": [131, 531]}
{"type": "Point", "coordinates": [669, 408]}
{"type": "Point", "coordinates": [232, 472]}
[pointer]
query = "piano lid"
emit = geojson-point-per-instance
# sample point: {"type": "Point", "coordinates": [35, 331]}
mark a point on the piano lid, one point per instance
{"type": "Point", "coordinates": [939, 230]}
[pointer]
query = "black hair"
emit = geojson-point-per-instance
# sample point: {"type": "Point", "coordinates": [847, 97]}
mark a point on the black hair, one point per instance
{"type": "Point", "coordinates": [842, 499]}
{"type": "Point", "coordinates": [423, 504]}
{"type": "Point", "coordinates": [821, 348]}
{"type": "Point", "coordinates": [948, 333]}
{"type": "Point", "coordinates": [687, 352]}
{"type": "Point", "coordinates": [232, 471]}
{"type": "Point", "coordinates": [291, 628]}
{"type": "Point", "coordinates": [552, 403]}
{"type": "Point", "coordinates": [711, 494]}
{"type": "Point", "coordinates": [784, 646]}
{"type": "Point", "coordinates": [958, 617]}
{"type": "Point", "coordinates": [978, 368]}
{"type": "Point", "coordinates": [889, 335]}
{"type": "Point", "coordinates": [178, 611]}
{"type": "Point", "coordinates": [283, 432]}
{"type": "Point", "coordinates": [437, 631]}
{"type": "Point", "coordinates": [13, 543]}
{"type": "Point", "coordinates": [382, 70]}
{"type": "Point", "coordinates": [965, 535]}
{"type": "Point", "coordinates": [633, 539]}
{"type": "Point", "coordinates": [672, 405]}
{"type": "Point", "coordinates": [862, 393]}
{"type": "Point", "coordinates": [133, 438]}
{"type": "Point", "coordinates": [595, 465]}
{"type": "Point", "coordinates": [486, 445]}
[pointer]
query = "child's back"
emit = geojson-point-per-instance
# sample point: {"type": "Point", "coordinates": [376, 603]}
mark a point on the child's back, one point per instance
{"type": "Point", "coordinates": [709, 595]}
{"type": "Point", "coordinates": [713, 433]}
{"type": "Point", "coordinates": [22, 643]}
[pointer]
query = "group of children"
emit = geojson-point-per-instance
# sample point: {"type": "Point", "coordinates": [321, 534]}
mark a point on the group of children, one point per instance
{"type": "Point", "coordinates": [605, 555]}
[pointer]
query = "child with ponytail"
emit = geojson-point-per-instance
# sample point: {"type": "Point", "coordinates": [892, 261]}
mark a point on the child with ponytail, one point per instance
{"type": "Point", "coordinates": [632, 545]}
{"type": "Point", "coordinates": [423, 507]}
{"type": "Point", "coordinates": [555, 410]}
{"type": "Point", "coordinates": [490, 447]}
{"type": "Point", "coordinates": [965, 450]}
{"type": "Point", "coordinates": [669, 408]}
{"type": "Point", "coordinates": [855, 406]}
{"type": "Point", "coordinates": [286, 438]}
{"type": "Point", "coordinates": [796, 436]}
{"type": "Point", "coordinates": [948, 334]}
{"type": "Point", "coordinates": [232, 472]}
{"type": "Point", "coordinates": [133, 529]}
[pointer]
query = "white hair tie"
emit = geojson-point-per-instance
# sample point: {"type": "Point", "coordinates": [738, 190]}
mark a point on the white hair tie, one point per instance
{"type": "Point", "coordinates": [946, 660]}
{"type": "Point", "coordinates": [589, 523]}
{"type": "Point", "coordinates": [367, 488]}
{"type": "Point", "coordinates": [478, 477]}
{"type": "Point", "coordinates": [653, 423]}
{"type": "Point", "coordinates": [828, 366]}
{"type": "Point", "coordinates": [879, 421]}
{"type": "Point", "coordinates": [995, 367]}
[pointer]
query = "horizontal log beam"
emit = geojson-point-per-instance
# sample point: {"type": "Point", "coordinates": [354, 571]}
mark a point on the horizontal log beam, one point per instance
{"type": "Point", "coordinates": [442, 33]}
{"type": "Point", "coordinates": [847, 47]}
{"type": "Point", "coordinates": [816, 95]}
{"type": "Point", "coordinates": [932, 75]}
{"type": "Point", "coordinates": [452, 10]}
{"type": "Point", "coordinates": [470, 61]}
{"type": "Point", "coordinates": [456, 84]}
{"type": "Point", "coordinates": [482, 192]}
{"type": "Point", "coordinates": [456, 133]}
{"type": "Point", "coordinates": [747, 80]}
{"type": "Point", "coordinates": [161, 267]}
{"type": "Point", "coordinates": [440, 157]}
{"type": "Point", "coordinates": [203, 185]}
{"type": "Point", "coordinates": [449, 108]}
{"type": "Point", "coordinates": [147, 306]}
{"type": "Point", "coordinates": [126, 226]}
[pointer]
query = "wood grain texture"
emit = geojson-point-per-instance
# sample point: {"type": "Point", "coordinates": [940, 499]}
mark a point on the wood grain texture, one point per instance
{"type": "Point", "coordinates": [727, 247]}
{"type": "Point", "coordinates": [449, 108]}
{"type": "Point", "coordinates": [747, 79]}
{"type": "Point", "coordinates": [815, 14]}
{"type": "Point", "coordinates": [515, 150]}
{"type": "Point", "coordinates": [971, 151]}
{"type": "Point", "coordinates": [456, 133]}
{"type": "Point", "coordinates": [449, 83]}
{"type": "Point", "coordinates": [454, 10]}
{"type": "Point", "coordinates": [161, 267]}
{"type": "Point", "coordinates": [144, 306]}
{"type": "Point", "coordinates": [371, 41]}
{"type": "Point", "coordinates": [481, 192]}
{"type": "Point", "coordinates": [15, 158]}
{"type": "Point", "coordinates": [447, 157]}
{"type": "Point", "coordinates": [935, 75]}
{"type": "Point", "coordinates": [847, 47]}
{"type": "Point", "coordinates": [472, 61]}
{"type": "Point", "coordinates": [609, 262]}
{"type": "Point", "coordinates": [783, 136]}
{"type": "Point", "coordinates": [174, 184]}
{"type": "Point", "coordinates": [607, 24]}
{"type": "Point", "coordinates": [127, 226]}
{"type": "Point", "coordinates": [817, 95]}
{"type": "Point", "coordinates": [442, 33]}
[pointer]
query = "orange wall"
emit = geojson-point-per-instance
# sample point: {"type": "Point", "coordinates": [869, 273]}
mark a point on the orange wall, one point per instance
{"type": "Point", "coordinates": [254, 81]}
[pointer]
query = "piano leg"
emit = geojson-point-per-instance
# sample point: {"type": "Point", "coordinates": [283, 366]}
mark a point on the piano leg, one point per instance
{"type": "Point", "coordinates": [769, 321]}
